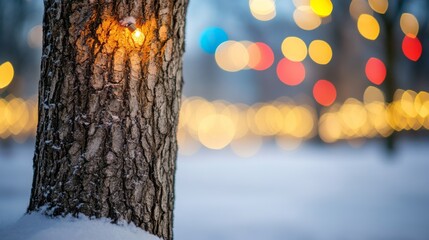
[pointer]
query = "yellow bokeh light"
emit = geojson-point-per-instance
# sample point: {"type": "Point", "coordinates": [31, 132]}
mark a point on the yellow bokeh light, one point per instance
{"type": "Point", "coordinates": [353, 114]}
{"type": "Point", "coordinates": [368, 26]}
{"type": "Point", "coordinates": [6, 74]}
{"type": "Point", "coordinates": [329, 128]}
{"type": "Point", "coordinates": [421, 104]}
{"type": "Point", "coordinates": [379, 6]}
{"type": "Point", "coordinates": [407, 103]}
{"type": "Point", "coordinates": [320, 52]}
{"type": "Point", "coordinates": [263, 10]}
{"type": "Point", "coordinates": [290, 122]}
{"type": "Point", "coordinates": [409, 25]}
{"type": "Point", "coordinates": [195, 111]}
{"type": "Point", "coordinates": [185, 113]}
{"type": "Point", "coordinates": [322, 8]}
{"type": "Point", "coordinates": [216, 124]}
{"type": "Point", "coordinates": [305, 122]}
{"type": "Point", "coordinates": [294, 49]}
{"type": "Point", "coordinates": [377, 116]}
{"type": "Point", "coordinates": [373, 94]}
{"type": "Point", "coordinates": [216, 131]}
{"type": "Point", "coordinates": [4, 125]}
{"type": "Point", "coordinates": [268, 120]}
{"type": "Point", "coordinates": [18, 115]}
{"type": "Point", "coordinates": [238, 117]}
{"type": "Point", "coordinates": [232, 56]}
{"type": "Point", "coordinates": [33, 116]}
{"type": "Point", "coordinates": [306, 19]}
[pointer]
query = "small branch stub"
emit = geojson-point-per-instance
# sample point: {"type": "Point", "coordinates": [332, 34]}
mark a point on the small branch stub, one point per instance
{"type": "Point", "coordinates": [129, 22]}
{"type": "Point", "coordinates": [136, 34]}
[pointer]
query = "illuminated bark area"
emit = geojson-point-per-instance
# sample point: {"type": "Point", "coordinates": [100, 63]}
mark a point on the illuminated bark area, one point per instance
{"type": "Point", "coordinates": [108, 111]}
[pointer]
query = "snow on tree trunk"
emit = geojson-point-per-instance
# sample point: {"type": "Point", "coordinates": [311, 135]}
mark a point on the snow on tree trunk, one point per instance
{"type": "Point", "coordinates": [108, 111]}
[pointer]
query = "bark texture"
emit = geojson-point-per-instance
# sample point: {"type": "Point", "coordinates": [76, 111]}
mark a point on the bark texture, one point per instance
{"type": "Point", "coordinates": [108, 111]}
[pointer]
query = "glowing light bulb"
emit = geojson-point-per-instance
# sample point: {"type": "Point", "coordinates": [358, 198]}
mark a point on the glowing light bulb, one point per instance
{"type": "Point", "coordinates": [137, 33]}
{"type": "Point", "coordinates": [138, 36]}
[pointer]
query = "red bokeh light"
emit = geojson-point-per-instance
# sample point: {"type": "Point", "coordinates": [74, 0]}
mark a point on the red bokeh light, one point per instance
{"type": "Point", "coordinates": [261, 56]}
{"type": "Point", "coordinates": [412, 48]}
{"type": "Point", "coordinates": [324, 92]}
{"type": "Point", "coordinates": [375, 71]}
{"type": "Point", "coordinates": [290, 73]}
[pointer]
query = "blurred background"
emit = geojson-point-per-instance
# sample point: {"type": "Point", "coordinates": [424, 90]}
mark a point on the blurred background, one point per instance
{"type": "Point", "coordinates": [301, 119]}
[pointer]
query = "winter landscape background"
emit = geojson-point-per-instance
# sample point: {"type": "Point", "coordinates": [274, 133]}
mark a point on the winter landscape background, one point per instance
{"type": "Point", "coordinates": [310, 193]}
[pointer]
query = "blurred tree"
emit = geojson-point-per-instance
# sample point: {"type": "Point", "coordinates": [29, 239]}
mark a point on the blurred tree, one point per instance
{"type": "Point", "coordinates": [108, 110]}
{"type": "Point", "coordinates": [391, 49]}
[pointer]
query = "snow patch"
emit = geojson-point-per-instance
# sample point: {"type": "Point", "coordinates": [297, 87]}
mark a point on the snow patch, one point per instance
{"type": "Point", "coordinates": [36, 226]}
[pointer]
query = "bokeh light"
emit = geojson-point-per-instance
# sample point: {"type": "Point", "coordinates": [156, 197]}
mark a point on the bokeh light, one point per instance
{"type": "Point", "coordinates": [421, 103]}
{"type": "Point", "coordinates": [18, 118]}
{"type": "Point", "coordinates": [354, 117]}
{"type": "Point", "coordinates": [268, 120]}
{"type": "Point", "coordinates": [263, 10]}
{"type": "Point", "coordinates": [3, 113]}
{"type": "Point", "coordinates": [359, 7]}
{"type": "Point", "coordinates": [379, 6]}
{"type": "Point", "coordinates": [290, 73]}
{"type": "Point", "coordinates": [409, 25]}
{"type": "Point", "coordinates": [294, 49]}
{"type": "Point", "coordinates": [211, 38]}
{"type": "Point", "coordinates": [320, 52]}
{"type": "Point", "coordinates": [35, 35]}
{"type": "Point", "coordinates": [188, 145]}
{"type": "Point", "coordinates": [368, 26]}
{"type": "Point", "coordinates": [298, 3]}
{"type": "Point", "coordinates": [218, 123]}
{"type": "Point", "coordinates": [330, 129]}
{"type": "Point", "coordinates": [373, 94]}
{"type": "Point", "coordinates": [305, 116]}
{"type": "Point", "coordinates": [306, 19]}
{"type": "Point", "coordinates": [6, 74]}
{"type": "Point", "coordinates": [216, 131]}
{"type": "Point", "coordinates": [232, 56]}
{"type": "Point", "coordinates": [261, 56]}
{"type": "Point", "coordinates": [247, 146]}
{"type": "Point", "coordinates": [288, 143]}
{"type": "Point", "coordinates": [324, 92]}
{"type": "Point", "coordinates": [412, 48]}
{"type": "Point", "coordinates": [375, 70]}
{"type": "Point", "coordinates": [322, 8]}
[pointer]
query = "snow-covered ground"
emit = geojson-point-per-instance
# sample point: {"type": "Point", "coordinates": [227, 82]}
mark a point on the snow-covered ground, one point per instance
{"type": "Point", "coordinates": [39, 227]}
{"type": "Point", "coordinates": [315, 192]}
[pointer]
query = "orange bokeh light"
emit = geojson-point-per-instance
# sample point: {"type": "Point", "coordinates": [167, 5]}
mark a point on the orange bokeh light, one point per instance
{"type": "Point", "coordinates": [290, 73]}
{"type": "Point", "coordinates": [375, 71]}
{"type": "Point", "coordinates": [324, 92]}
{"type": "Point", "coordinates": [412, 48]}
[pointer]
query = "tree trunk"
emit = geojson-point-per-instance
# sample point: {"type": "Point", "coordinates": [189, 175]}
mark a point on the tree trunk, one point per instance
{"type": "Point", "coordinates": [108, 111]}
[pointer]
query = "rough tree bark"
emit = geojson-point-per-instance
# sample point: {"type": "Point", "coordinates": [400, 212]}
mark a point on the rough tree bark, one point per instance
{"type": "Point", "coordinates": [108, 110]}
